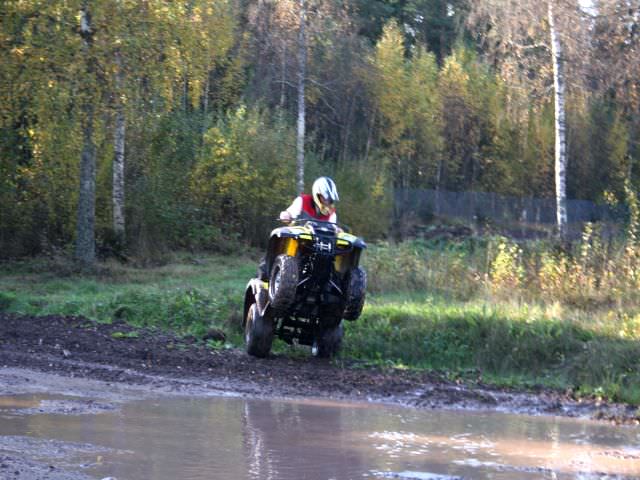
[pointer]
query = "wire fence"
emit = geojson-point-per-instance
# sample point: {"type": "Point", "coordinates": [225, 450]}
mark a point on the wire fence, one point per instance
{"type": "Point", "coordinates": [517, 216]}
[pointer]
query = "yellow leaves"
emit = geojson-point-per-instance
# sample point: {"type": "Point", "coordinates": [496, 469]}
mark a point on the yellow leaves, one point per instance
{"type": "Point", "coordinates": [18, 51]}
{"type": "Point", "coordinates": [196, 14]}
{"type": "Point", "coordinates": [507, 271]}
{"type": "Point", "coordinates": [453, 79]}
{"type": "Point", "coordinates": [406, 94]}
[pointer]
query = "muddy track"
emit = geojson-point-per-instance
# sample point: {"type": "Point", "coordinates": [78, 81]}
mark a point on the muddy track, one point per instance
{"type": "Point", "coordinates": [117, 353]}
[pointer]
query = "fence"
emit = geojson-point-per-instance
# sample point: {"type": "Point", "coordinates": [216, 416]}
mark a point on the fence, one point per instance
{"type": "Point", "coordinates": [519, 215]}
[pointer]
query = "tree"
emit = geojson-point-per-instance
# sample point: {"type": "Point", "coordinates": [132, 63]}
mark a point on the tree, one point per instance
{"type": "Point", "coordinates": [204, 33]}
{"type": "Point", "coordinates": [75, 70]}
{"type": "Point", "coordinates": [295, 43]}
{"type": "Point", "coordinates": [302, 79]}
{"type": "Point", "coordinates": [85, 237]}
{"type": "Point", "coordinates": [616, 65]}
{"type": "Point", "coordinates": [460, 131]}
{"type": "Point", "coordinates": [435, 25]}
{"type": "Point", "coordinates": [530, 42]}
{"type": "Point", "coordinates": [119, 136]}
{"type": "Point", "coordinates": [408, 100]}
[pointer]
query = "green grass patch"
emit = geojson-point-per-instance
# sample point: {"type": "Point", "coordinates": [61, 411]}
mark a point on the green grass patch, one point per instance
{"type": "Point", "coordinates": [507, 344]}
{"type": "Point", "coordinates": [186, 296]}
{"type": "Point", "coordinates": [132, 334]}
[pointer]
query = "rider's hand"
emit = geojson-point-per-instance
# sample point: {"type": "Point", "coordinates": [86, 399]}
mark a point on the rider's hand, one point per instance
{"type": "Point", "coordinates": [285, 216]}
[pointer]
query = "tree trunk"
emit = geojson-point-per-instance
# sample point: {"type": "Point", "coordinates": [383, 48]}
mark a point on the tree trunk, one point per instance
{"type": "Point", "coordinates": [438, 184]}
{"type": "Point", "coordinates": [560, 126]}
{"type": "Point", "coordinates": [283, 78]}
{"type": "Point", "coordinates": [119, 159]}
{"type": "Point", "coordinates": [372, 124]}
{"type": "Point", "coordinates": [302, 65]}
{"type": "Point", "coordinates": [85, 237]}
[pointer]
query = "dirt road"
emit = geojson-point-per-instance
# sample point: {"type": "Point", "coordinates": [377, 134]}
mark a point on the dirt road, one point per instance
{"type": "Point", "coordinates": [120, 355]}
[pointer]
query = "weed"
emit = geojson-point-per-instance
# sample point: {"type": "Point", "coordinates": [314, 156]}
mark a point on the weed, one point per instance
{"type": "Point", "coordinates": [122, 335]}
{"type": "Point", "coordinates": [6, 300]}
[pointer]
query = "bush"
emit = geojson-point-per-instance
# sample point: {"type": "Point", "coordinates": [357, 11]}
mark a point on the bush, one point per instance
{"type": "Point", "coordinates": [6, 300]}
{"type": "Point", "coordinates": [450, 268]}
{"type": "Point", "coordinates": [245, 174]}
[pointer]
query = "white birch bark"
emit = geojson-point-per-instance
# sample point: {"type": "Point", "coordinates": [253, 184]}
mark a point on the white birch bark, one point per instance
{"type": "Point", "coordinates": [119, 157]}
{"type": "Point", "coordinates": [302, 65]}
{"type": "Point", "coordinates": [560, 125]}
{"type": "Point", "coordinates": [85, 228]}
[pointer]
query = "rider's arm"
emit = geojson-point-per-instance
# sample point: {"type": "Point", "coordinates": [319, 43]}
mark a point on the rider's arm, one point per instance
{"type": "Point", "coordinates": [293, 211]}
{"type": "Point", "coordinates": [333, 218]}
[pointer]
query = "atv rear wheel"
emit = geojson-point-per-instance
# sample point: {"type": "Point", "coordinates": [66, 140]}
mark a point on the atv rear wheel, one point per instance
{"type": "Point", "coordinates": [328, 342]}
{"type": "Point", "coordinates": [356, 289]}
{"type": "Point", "coordinates": [283, 282]}
{"type": "Point", "coordinates": [258, 332]}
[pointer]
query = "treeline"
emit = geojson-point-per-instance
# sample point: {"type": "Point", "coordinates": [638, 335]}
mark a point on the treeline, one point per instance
{"type": "Point", "coordinates": [157, 124]}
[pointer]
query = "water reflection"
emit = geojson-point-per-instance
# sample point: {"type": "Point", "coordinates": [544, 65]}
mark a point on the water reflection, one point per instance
{"type": "Point", "coordinates": [209, 438]}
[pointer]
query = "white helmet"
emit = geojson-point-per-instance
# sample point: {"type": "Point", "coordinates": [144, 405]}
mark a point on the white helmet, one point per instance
{"type": "Point", "coordinates": [325, 194]}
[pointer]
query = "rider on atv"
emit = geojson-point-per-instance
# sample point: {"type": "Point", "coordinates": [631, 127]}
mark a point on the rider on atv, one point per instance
{"type": "Point", "coordinates": [319, 205]}
{"type": "Point", "coordinates": [309, 281]}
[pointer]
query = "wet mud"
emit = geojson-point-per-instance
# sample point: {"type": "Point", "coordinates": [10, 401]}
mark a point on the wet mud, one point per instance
{"type": "Point", "coordinates": [77, 348]}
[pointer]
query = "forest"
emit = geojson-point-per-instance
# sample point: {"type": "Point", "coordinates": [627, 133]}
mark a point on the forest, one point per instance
{"type": "Point", "coordinates": [153, 125]}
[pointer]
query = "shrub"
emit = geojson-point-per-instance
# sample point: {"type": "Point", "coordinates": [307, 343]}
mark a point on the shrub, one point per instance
{"type": "Point", "coordinates": [243, 177]}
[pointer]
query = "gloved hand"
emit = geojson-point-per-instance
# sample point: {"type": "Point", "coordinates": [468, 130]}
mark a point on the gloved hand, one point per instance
{"type": "Point", "coordinates": [285, 216]}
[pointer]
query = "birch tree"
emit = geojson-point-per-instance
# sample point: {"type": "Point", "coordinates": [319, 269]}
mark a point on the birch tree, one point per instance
{"type": "Point", "coordinates": [302, 79]}
{"type": "Point", "coordinates": [85, 236]}
{"type": "Point", "coordinates": [118, 158]}
{"type": "Point", "coordinates": [292, 40]}
{"type": "Point", "coordinates": [532, 43]}
{"type": "Point", "coordinates": [155, 30]}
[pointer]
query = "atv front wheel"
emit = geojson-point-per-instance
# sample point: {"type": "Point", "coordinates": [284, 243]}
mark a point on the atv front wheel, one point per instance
{"type": "Point", "coordinates": [258, 332]}
{"type": "Point", "coordinates": [283, 282]}
{"type": "Point", "coordinates": [328, 342]}
{"type": "Point", "coordinates": [355, 294]}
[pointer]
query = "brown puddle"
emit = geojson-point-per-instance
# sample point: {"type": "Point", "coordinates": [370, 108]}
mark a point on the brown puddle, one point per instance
{"type": "Point", "coordinates": [211, 438]}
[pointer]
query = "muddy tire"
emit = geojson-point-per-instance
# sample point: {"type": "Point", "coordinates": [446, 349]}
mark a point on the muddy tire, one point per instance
{"type": "Point", "coordinates": [258, 333]}
{"type": "Point", "coordinates": [328, 342]}
{"type": "Point", "coordinates": [283, 282]}
{"type": "Point", "coordinates": [356, 289]}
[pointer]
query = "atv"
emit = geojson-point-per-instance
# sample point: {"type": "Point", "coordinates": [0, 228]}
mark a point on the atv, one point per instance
{"type": "Point", "coordinates": [309, 281]}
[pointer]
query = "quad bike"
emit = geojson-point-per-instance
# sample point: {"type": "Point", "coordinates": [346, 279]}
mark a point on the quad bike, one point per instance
{"type": "Point", "coordinates": [309, 281]}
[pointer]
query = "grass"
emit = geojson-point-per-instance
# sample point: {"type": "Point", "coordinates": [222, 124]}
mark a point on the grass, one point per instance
{"type": "Point", "coordinates": [189, 295]}
{"type": "Point", "coordinates": [519, 345]}
{"type": "Point", "coordinates": [446, 306]}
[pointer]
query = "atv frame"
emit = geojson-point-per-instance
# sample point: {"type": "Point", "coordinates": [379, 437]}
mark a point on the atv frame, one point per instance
{"type": "Point", "coordinates": [309, 281]}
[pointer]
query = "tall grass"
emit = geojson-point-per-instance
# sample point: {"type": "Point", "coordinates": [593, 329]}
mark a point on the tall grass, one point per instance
{"type": "Point", "coordinates": [536, 311]}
